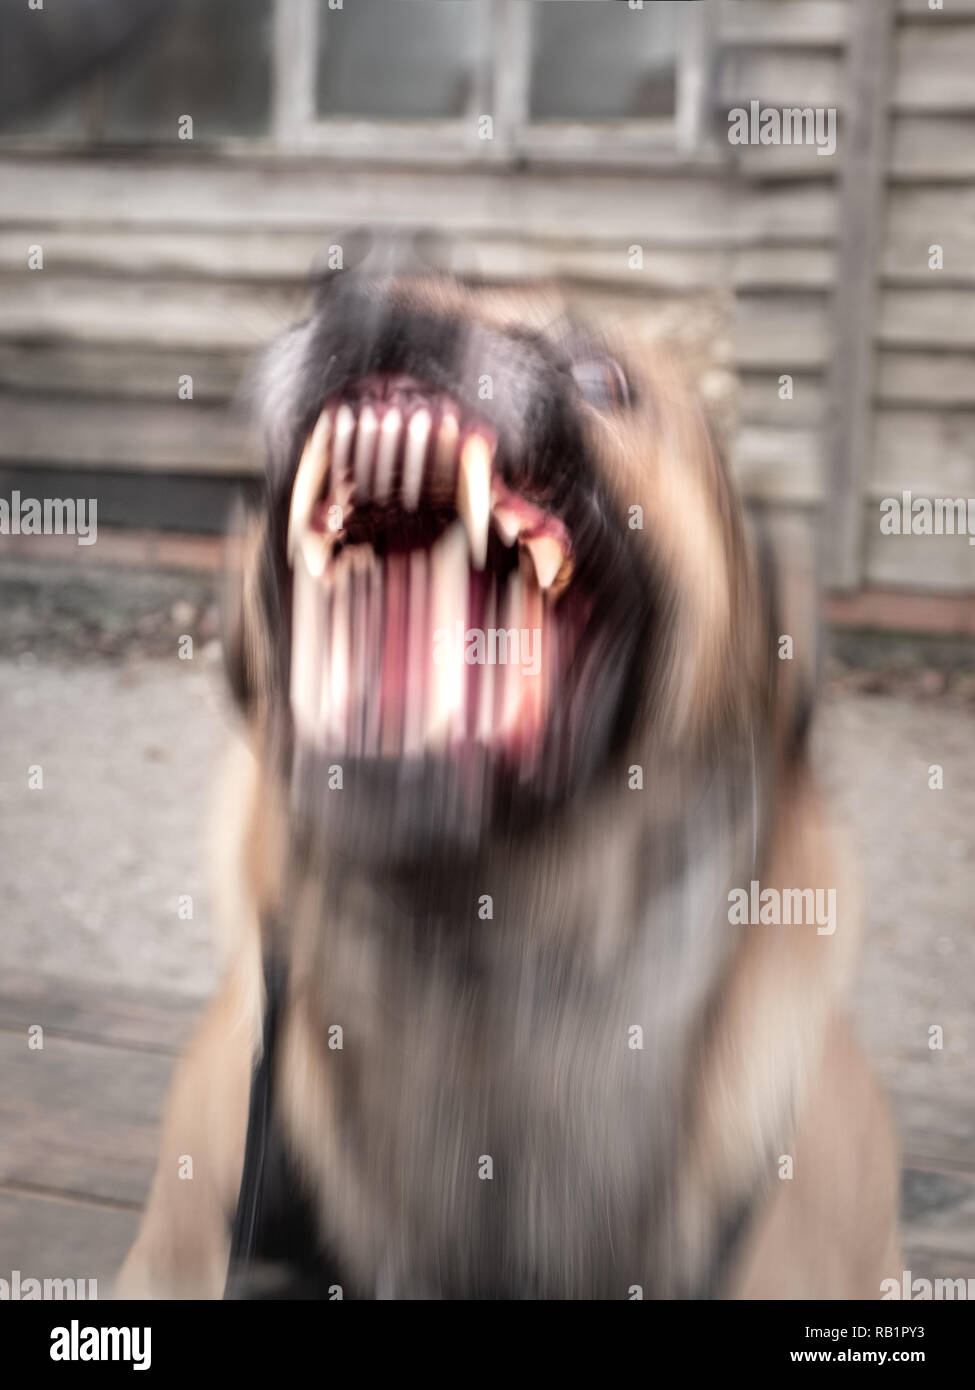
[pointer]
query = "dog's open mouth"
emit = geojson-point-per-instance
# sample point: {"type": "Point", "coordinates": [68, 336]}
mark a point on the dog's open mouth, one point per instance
{"type": "Point", "coordinates": [433, 606]}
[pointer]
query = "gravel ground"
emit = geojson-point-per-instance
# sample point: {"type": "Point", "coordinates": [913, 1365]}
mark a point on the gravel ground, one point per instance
{"type": "Point", "coordinates": [95, 861]}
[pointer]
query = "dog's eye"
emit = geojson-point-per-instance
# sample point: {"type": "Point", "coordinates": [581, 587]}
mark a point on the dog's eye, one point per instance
{"type": "Point", "coordinates": [602, 382]}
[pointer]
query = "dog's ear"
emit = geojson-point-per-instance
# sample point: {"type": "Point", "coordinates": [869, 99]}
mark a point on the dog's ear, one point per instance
{"type": "Point", "coordinates": [785, 546]}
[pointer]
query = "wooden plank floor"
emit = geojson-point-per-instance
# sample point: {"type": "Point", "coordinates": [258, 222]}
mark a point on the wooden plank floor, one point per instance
{"type": "Point", "coordinates": [79, 1118]}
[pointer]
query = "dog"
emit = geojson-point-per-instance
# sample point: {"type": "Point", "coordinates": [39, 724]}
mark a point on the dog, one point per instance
{"type": "Point", "coordinates": [489, 1027]}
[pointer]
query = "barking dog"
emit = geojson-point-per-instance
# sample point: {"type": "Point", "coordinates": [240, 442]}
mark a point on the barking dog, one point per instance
{"type": "Point", "coordinates": [517, 731]}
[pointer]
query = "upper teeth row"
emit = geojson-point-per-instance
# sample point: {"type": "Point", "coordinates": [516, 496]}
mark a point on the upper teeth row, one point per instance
{"type": "Point", "coordinates": [356, 459]}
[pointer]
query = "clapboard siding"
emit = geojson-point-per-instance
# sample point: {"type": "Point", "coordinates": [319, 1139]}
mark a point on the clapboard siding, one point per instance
{"type": "Point", "coordinates": [945, 379]}
{"type": "Point", "coordinates": [944, 440]}
{"type": "Point", "coordinates": [926, 148]}
{"type": "Point", "coordinates": [924, 420]}
{"type": "Point", "coordinates": [289, 256]}
{"type": "Point", "coordinates": [800, 23]}
{"type": "Point", "coordinates": [918, 218]}
{"type": "Point", "coordinates": [783, 332]}
{"type": "Point", "coordinates": [761, 403]}
{"type": "Point", "coordinates": [937, 563]}
{"type": "Point", "coordinates": [935, 318]}
{"type": "Point", "coordinates": [921, 10]}
{"type": "Point", "coordinates": [186, 436]}
{"type": "Point", "coordinates": [781, 76]}
{"type": "Point", "coordinates": [934, 65]}
{"type": "Point", "coordinates": [781, 465]}
{"type": "Point", "coordinates": [166, 264]}
{"type": "Point", "coordinates": [261, 194]}
{"type": "Point", "coordinates": [107, 370]}
{"type": "Point", "coordinates": [169, 313]}
{"type": "Point", "coordinates": [783, 268]}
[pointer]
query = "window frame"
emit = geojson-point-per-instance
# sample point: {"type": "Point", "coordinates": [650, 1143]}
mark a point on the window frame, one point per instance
{"type": "Point", "coordinates": [502, 93]}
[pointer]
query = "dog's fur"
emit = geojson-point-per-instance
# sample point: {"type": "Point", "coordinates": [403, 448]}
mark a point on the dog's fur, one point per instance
{"type": "Point", "coordinates": [613, 1167]}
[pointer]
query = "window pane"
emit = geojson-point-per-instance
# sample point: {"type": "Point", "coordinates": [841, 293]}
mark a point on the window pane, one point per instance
{"type": "Point", "coordinates": [597, 61]}
{"type": "Point", "coordinates": [211, 62]}
{"type": "Point", "coordinates": [413, 59]}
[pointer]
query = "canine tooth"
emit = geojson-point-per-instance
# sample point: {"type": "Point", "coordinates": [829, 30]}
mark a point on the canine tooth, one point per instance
{"type": "Point", "coordinates": [342, 446]}
{"type": "Point", "coordinates": [309, 481]}
{"type": "Point", "coordinates": [507, 523]}
{"type": "Point", "coordinates": [386, 458]}
{"type": "Point", "coordinates": [315, 550]}
{"type": "Point", "coordinates": [548, 558]}
{"type": "Point", "coordinates": [474, 495]}
{"type": "Point", "coordinates": [414, 458]}
{"type": "Point", "coordinates": [364, 447]}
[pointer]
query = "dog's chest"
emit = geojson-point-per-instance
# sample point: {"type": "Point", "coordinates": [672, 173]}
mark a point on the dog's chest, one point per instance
{"type": "Point", "coordinates": [508, 1128]}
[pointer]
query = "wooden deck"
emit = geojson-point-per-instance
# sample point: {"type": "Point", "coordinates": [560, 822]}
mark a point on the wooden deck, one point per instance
{"type": "Point", "coordinates": [78, 1121]}
{"type": "Point", "coordinates": [79, 1118]}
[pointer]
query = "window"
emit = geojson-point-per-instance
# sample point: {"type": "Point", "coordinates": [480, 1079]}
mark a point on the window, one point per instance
{"type": "Point", "coordinates": [430, 80]}
{"type": "Point", "coordinates": [555, 77]}
{"type": "Point", "coordinates": [422, 60]}
{"type": "Point", "coordinates": [210, 60]}
{"type": "Point", "coordinates": [603, 62]}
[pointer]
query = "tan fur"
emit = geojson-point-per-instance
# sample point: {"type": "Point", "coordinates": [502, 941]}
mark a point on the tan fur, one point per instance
{"type": "Point", "coordinates": [773, 1070]}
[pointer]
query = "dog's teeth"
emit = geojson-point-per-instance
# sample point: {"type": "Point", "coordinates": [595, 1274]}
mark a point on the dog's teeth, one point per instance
{"type": "Point", "coordinates": [374, 653]}
{"type": "Point", "coordinates": [548, 557]}
{"type": "Point", "coordinates": [510, 674]}
{"type": "Point", "coordinates": [306, 649]}
{"type": "Point", "coordinates": [342, 446]}
{"type": "Point", "coordinates": [309, 481]}
{"type": "Point", "coordinates": [337, 714]}
{"type": "Point", "coordinates": [315, 550]}
{"type": "Point", "coordinates": [365, 445]}
{"type": "Point", "coordinates": [386, 457]}
{"type": "Point", "coordinates": [485, 675]}
{"type": "Point", "coordinates": [533, 685]}
{"type": "Point", "coordinates": [417, 655]}
{"type": "Point", "coordinates": [474, 495]}
{"type": "Point", "coordinates": [413, 459]}
{"type": "Point", "coordinates": [392, 680]}
{"type": "Point", "coordinates": [449, 580]}
{"type": "Point", "coordinates": [507, 523]}
{"type": "Point", "coordinates": [358, 631]}
{"type": "Point", "coordinates": [445, 459]}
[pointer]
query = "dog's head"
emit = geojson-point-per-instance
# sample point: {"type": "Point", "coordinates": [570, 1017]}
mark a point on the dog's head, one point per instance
{"type": "Point", "coordinates": [497, 564]}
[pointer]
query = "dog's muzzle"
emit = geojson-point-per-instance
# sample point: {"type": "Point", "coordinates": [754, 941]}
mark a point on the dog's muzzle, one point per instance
{"type": "Point", "coordinates": [430, 609]}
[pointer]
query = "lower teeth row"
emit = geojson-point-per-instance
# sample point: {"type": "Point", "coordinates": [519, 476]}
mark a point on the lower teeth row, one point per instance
{"type": "Point", "coordinates": [404, 656]}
